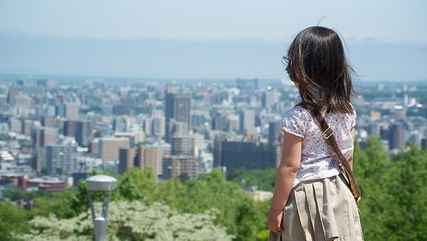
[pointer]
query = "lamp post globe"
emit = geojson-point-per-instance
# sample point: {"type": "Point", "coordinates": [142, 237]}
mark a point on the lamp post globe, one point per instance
{"type": "Point", "coordinates": [104, 185]}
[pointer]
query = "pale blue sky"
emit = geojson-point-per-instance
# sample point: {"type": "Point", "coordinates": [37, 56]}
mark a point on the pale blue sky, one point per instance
{"type": "Point", "coordinates": [384, 20]}
{"type": "Point", "coordinates": [385, 39]}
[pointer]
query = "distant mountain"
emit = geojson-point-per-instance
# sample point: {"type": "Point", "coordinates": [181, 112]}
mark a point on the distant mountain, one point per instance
{"type": "Point", "coordinates": [151, 58]}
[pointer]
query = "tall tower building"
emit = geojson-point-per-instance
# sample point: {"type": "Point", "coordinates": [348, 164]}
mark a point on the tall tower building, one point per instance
{"type": "Point", "coordinates": [178, 128]}
{"type": "Point", "coordinates": [180, 166]}
{"type": "Point", "coordinates": [247, 121]}
{"type": "Point", "coordinates": [182, 145]}
{"type": "Point", "coordinates": [178, 108]}
{"type": "Point", "coordinates": [126, 159]}
{"type": "Point", "coordinates": [217, 149]}
{"type": "Point", "coordinates": [61, 159]}
{"type": "Point", "coordinates": [109, 148]}
{"type": "Point", "coordinates": [41, 137]}
{"type": "Point", "coordinates": [158, 126]}
{"type": "Point", "coordinates": [397, 136]}
{"type": "Point", "coordinates": [153, 159]}
{"type": "Point", "coordinates": [274, 128]}
{"type": "Point", "coordinates": [80, 130]}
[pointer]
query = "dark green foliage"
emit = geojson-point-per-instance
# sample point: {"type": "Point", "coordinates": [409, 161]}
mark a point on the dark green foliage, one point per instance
{"type": "Point", "coordinates": [407, 185]}
{"type": "Point", "coordinates": [371, 168]}
{"type": "Point", "coordinates": [260, 179]}
{"type": "Point", "coordinates": [13, 220]}
{"type": "Point", "coordinates": [394, 193]}
{"type": "Point", "coordinates": [67, 204]}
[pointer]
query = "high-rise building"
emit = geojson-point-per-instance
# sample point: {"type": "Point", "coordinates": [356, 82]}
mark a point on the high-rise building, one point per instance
{"type": "Point", "coordinates": [121, 124]}
{"type": "Point", "coordinates": [198, 144]}
{"type": "Point", "coordinates": [158, 126]}
{"type": "Point", "coordinates": [126, 159]}
{"type": "Point", "coordinates": [177, 128]}
{"type": "Point", "coordinates": [274, 129]}
{"type": "Point", "coordinates": [60, 159]}
{"type": "Point", "coordinates": [134, 137]}
{"type": "Point", "coordinates": [60, 110]}
{"type": "Point", "coordinates": [70, 128]}
{"type": "Point", "coordinates": [247, 121]}
{"type": "Point", "coordinates": [248, 155]}
{"type": "Point", "coordinates": [49, 121]}
{"type": "Point", "coordinates": [109, 147]}
{"type": "Point", "coordinates": [217, 149]}
{"type": "Point", "coordinates": [180, 166]}
{"type": "Point", "coordinates": [80, 130]}
{"type": "Point", "coordinates": [182, 145]}
{"type": "Point", "coordinates": [269, 98]}
{"type": "Point", "coordinates": [232, 122]}
{"type": "Point", "coordinates": [139, 161]}
{"type": "Point", "coordinates": [27, 127]}
{"type": "Point", "coordinates": [41, 137]}
{"type": "Point", "coordinates": [397, 136]}
{"type": "Point", "coordinates": [15, 125]}
{"type": "Point", "coordinates": [219, 121]}
{"type": "Point", "coordinates": [147, 125]}
{"type": "Point", "coordinates": [178, 108]}
{"type": "Point", "coordinates": [153, 158]}
{"type": "Point", "coordinates": [199, 118]}
{"type": "Point", "coordinates": [83, 133]}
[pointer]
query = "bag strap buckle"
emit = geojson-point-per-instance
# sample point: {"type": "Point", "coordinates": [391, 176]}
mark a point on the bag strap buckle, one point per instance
{"type": "Point", "coordinates": [327, 133]}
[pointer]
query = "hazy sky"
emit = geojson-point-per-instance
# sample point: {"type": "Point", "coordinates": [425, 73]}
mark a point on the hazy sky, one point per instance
{"type": "Point", "coordinates": [384, 20]}
{"type": "Point", "coordinates": [385, 39]}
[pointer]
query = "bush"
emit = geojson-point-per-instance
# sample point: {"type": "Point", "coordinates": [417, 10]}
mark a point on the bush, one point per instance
{"type": "Point", "coordinates": [132, 220]}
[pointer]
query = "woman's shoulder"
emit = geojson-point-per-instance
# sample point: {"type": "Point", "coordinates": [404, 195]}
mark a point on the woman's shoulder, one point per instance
{"type": "Point", "coordinates": [295, 121]}
{"type": "Point", "coordinates": [297, 111]}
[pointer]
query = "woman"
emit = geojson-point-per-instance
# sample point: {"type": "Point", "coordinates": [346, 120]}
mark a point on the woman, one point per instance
{"type": "Point", "coordinates": [311, 202]}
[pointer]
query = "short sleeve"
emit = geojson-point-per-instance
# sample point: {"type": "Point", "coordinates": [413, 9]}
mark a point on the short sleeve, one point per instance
{"type": "Point", "coordinates": [295, 122]}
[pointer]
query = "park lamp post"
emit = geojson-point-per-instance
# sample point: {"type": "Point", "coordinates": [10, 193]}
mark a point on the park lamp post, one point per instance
{"type": "Point", "coordinates": [104, 185]}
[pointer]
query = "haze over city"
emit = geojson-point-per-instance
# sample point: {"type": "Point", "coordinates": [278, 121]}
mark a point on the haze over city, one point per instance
{"type": "Point", "coordinates": [205, 40]}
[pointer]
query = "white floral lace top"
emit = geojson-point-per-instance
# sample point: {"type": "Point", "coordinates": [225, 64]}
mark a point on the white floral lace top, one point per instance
{"type": "Point", "coordinates": [316, 158]}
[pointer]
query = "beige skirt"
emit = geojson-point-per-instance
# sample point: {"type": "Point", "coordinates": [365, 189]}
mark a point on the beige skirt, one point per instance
{"type": "Point", "coordinates": [320, 210]}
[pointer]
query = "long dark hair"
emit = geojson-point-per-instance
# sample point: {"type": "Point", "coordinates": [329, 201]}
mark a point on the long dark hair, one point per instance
{"type": "Point", "coordinates": [316, 63]}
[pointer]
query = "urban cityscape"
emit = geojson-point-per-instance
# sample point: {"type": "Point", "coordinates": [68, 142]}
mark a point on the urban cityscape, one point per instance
{"type": "Point", "coordinates": [54, 134]}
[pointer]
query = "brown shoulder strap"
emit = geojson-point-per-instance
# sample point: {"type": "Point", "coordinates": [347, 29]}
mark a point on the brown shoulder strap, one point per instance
{"type": "Point", "coordinates": [343, 162]}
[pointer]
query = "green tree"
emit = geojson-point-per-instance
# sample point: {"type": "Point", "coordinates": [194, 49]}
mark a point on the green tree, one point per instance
{"type": "Point", "coordinates": [371, 168]}
{"type": "Point", "coordinates": [132, 221]}
{"type": "Point", "coordinates": [63, 205]}
{"type": "Point", "coordinates": [407, 185]}
{"type": "Point", "coordinates": [262, 179]}
{"type": "Point", "coordinates": [137, 184]}
{"type": "Point", "coordinates": [13, 221]}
